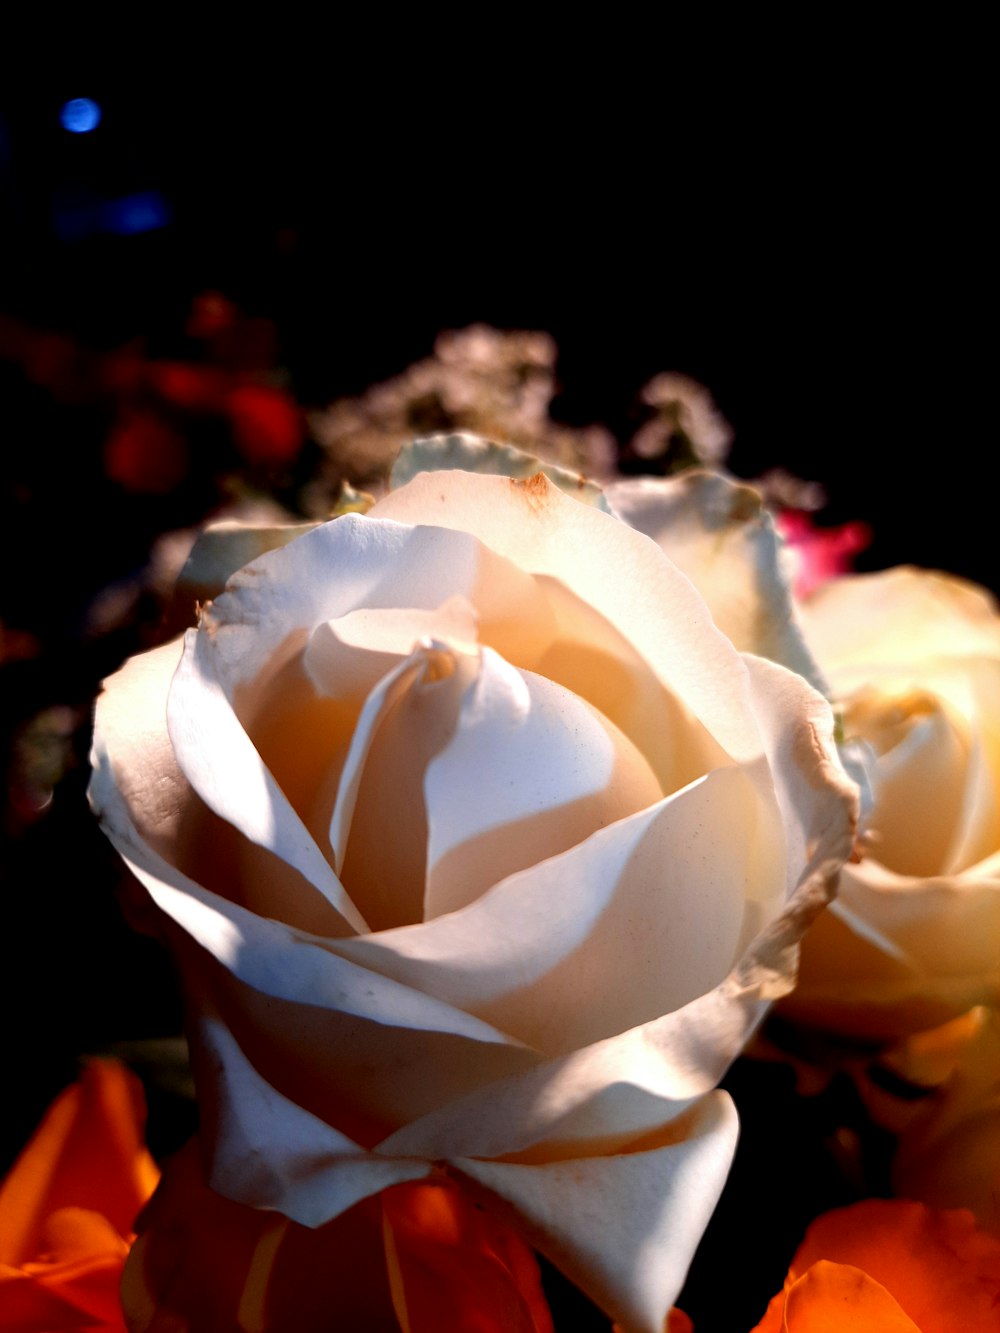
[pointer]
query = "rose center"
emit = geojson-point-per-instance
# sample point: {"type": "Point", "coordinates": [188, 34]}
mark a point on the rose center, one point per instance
{"type": "Point", "coordinates": [463, 770]}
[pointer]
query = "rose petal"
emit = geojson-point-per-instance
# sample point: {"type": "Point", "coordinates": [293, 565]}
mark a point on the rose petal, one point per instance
{"type": "Point", "coordinates": [835, 1298]}
{"type": "Point", "coordinates": [977, 831]}
{"type": "Point", "coordinates": [302, 736]}
{"type": "Point", "coordinates": [919, 783]}
{"type": "Point", "coordinates": [206, 1263]}
{"type": "Point", "coordinates": [77, 1236]}
{"type": "Point", "coordinates": [134, 768]}
{"type": "Point", "coordinates": [222, 548]}
{"type": "Point", "coordinates": [271, 1153]}
{"type": "Point", "coordinates": [590, 1096]}
{"type": "Point", "coordinates": [722, 537]}
{"type": "Point", "coordinates": [590, 656]}
{"type": "Point", "coordinates": [347, 657]}
{"type": "Point", "coordinates": [594, 918]}
{"type": "Point", "coordinates": [284, 996]}
{"type": "Point", "coordinates": [640, 1079]}
{"type": "Point", "coordinates": [455, 1269]}
{"type": "Point", "coordinates": [817, 802]}
{"type": "Point", "coordinates": [404, 722]}
{"type": "Point", "coordinates": [87, 1153]}
{"type": "Point", "coordinates": [899, 615]}
{"type": "Point", "coordinates": [960, 699]}
{"type": "Point", "coordinates": [471, 453]}
{"type": "Point", "coordinates": [872, 965]}
{"type": "Point", "coordinates": [225, 769]}
{"type": "Point", "coordinates": [61, 1301]}
{"type": "Point", "coordinates": [557, 771]}
{"type": "Point", "coordinates": [912, 943]}
{"type": "Point", "coordinates": [624, 1228]}
{"type": "Point", "coordinates": [269, 608]}
{"type": "Point", "coordinates": [942, 1271]}
{"type": "Point", "coordinates": [149, 809]}
{"type": "Point", "coordinates": [620, 573]}
{"type": "Point", "coordinates": [69, 1203]}
{"type": "Point", "coordinates": [940, 717]}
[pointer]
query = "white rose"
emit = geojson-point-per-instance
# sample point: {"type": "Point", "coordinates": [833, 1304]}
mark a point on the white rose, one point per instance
{"type": "Point", "coordinates": [913, 939]}
{"type": "Point", "coordinates": [912, 661]}
{"type": "Point", "coordinates": [480, 848]}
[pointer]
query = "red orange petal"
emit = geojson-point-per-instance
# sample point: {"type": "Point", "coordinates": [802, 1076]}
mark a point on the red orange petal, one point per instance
{"type": "Point", "coordinates": [941, 1272]}
{"type": "Point", "coordinates": [836, 1298]}
{"type": "Point", "coordinates": [87, 1153]}
{"type": "Point", "coordinates": [454, 1268]}
{"type": "Point", "coordinates": [68, 1206]}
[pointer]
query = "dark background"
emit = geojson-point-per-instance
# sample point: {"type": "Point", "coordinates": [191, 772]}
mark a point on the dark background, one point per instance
{"type": "Point", "coordinates": [807, 239]}
{"type": "Point", "coordinates": [812, 247]}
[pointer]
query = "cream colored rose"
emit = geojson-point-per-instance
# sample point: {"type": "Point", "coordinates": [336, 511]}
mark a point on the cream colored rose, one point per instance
{"type": "Point", "coordinates": [913, 939]}
{"type": "Point", "coordinates": [480, 848]}
{"type": "Point", "coordinates": [912, 660]}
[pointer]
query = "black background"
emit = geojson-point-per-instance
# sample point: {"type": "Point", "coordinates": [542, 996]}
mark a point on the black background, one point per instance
{"type": "Point", "coordinates": [803, 230]}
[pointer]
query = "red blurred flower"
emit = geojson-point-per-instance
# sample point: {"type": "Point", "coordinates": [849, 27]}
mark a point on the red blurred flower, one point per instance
{"type": "Point", "coordinates": [817, 555]}
{"type": "Point", "coordinates": [146, 454]}
{"type": "Point", "coordinates": [188, 385]}
{"type": "Point", "coordinates": [211, 314]}
{"type": "Point", "coordinates": [266, 424]}
{"type": "Point", "coordinates": [68, 1207]}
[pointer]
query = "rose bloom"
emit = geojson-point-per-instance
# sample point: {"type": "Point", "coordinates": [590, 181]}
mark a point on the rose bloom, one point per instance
{"type": "Point", "coordinates": [481, 850]}
{"type": "Point", "coordinates": [912, 660]}
{"type": "Point", "coordinates": [913, 939]}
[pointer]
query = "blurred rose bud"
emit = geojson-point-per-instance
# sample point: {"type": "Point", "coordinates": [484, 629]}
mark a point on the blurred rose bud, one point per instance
{"type": "Point", "coordinates": [145, 453]}
{"type": "Point", "coordinates": [266, 424]}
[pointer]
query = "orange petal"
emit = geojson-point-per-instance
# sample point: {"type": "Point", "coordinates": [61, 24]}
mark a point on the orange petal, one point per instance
{"type": "Point", "coordinates": [942, 1272]}
{"type": "Point", "coordinates": [27, 1306]}
{"type": "Point", "coordinates": [76, 1236]}
{"type": "Point", "coordinates": [68, 1206]}
{"type": "Point", "coordinates": [836, 1298]}
{"type": "Point", "coordinates": [454, 1268]}
{"type": "Point", "coordinates": [203, 1263]}
{"type": "Point", "coordinates": [59, 1297]}
{"type": "Point", "coordinates": [87, 1153]}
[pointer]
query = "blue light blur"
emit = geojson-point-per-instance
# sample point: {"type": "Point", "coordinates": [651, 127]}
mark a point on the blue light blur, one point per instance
{"type": "Point", "coordinates": [80, 115]}
{"type": "Point", "coordinates": [135, 213]}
